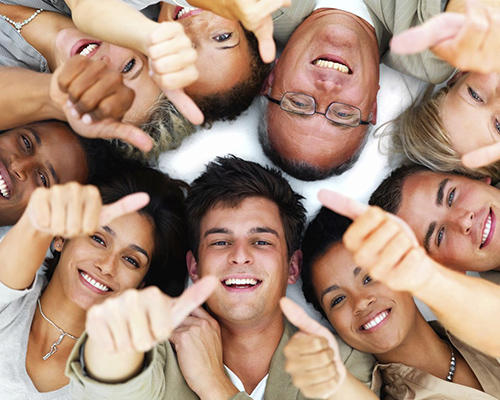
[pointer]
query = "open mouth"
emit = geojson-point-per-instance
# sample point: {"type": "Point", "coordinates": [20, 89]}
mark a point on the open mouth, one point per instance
{"type": "Point", "coordinates": [488, 229]}
{"type": "Point", "coordinates": [375, 321]}
{"type": "Point", "coordinates": [85, 47]}
{"type": "Point", "coordinates": [4, 188]}
{"type": "Point", "coordinates": [88, 50]}
{"type": "Point", "coordinates": [184, 12]}
{"type": "Point", "coordinates": [334, 63]}
{"type": "Point", "coordinates": [95, 284]}
{"type": "Point", "coordinates": [241, 283]}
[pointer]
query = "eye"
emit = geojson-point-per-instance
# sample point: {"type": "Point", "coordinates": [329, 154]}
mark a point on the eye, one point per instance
{"type": "Point", "coordinates": [337, 300]}
{"type": "Point", "coordinates": [474, 95]}
{"type": "Point", "coordinates": [451, 196]}
{"type": "Point", "coordinates": [43, 180]}
{"type": "Point", "coordinates": [262, 243]}
{"type": "Point", "coordinates": [367, 279]}
{"type": "Point", "coordinates": [98, 239]}
{"type": "Point", "coordinates": [129, 66]}
{"type": "Point", "coordinates": [439, 237]}
{"type": "Point", "coordinates": [223, 37]}
{"type": "Point", "coordinates": [220, 243]}
{"type": "Point", "coordinates": [497, 125]}
{"type": "Point", "coordinates": [132, 261]}
{"type": "Point", "coordinates": [26, 143]}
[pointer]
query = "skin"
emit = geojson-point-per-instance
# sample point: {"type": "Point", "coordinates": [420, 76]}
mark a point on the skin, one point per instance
{"type": "Point", "coordinates": [456, 239]}
{"type": "Point", "coordinates": [27, 165]}
{"type": "Point", "coordinates": [132, 64]}
{"type": "Point", "coordinates": [314, 139]}
{"type": "Point", "coordinates": [223, 50]}
{"type": "Point", "coordinates": [471, 111]}
{"type": "Point", "coordinates": [357, 300]}
{"type": "Point", "coordinates": [230, 248]}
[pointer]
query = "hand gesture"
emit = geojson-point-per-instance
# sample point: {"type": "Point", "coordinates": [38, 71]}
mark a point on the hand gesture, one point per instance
{"type": "Point", "coordinates": [255, 16]}
{"type": "Point", "coordinates": [470, 42]}
{"type": "Point", "coordinates": [172, 65]}
{"type": "Point", "coordinates": [94, 101]}
{"type": "Point", "coordinates": [197, 341]}
{"type": "Point", "coordinates": [72, 209]}
{"type": "Point", "coordinates": [382, 243]}
{"type": "Point", "coordinates": [138, 319]}
{"type": "Point", "coordinates": [312, 355]}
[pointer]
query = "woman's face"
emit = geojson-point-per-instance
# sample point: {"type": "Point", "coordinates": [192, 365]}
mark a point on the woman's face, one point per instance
{"type": "Point", "coordinates": [223, 52]}
{"type": "Point", "coordinates": [111, 260]}
{"type": "Point", "coordinates": [471, 111]}
{"type": "Point", "coordinates": [366, 314]}
{"type": "Point", "coordinates": [133, 66]}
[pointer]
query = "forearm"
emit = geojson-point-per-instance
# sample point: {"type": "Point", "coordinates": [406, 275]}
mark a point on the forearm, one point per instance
{"type": "Point", "coordinates": [25, 98]}
{"type": "Point", "coordinates": [113, 21]}
{"type": "Point", "coordinates": [459, 6]}
{"type": "Point", "coordinates": [111, 367]}
{"type": "Point", "coordinates": [22, 251]}
{"type": "Point", "coordinates": [351, 388]}
{"type": "Point", "coordinates": [466, 306]}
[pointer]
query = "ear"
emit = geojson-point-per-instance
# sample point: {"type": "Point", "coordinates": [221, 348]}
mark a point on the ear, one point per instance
{"type": "Point", "coordinates": [58, 243]}
{"type": "Point", "coordinates": [294, 267]}
{"type": "Point", "coordinates": [192, 266]}
{"type": "Point", "coordinates": [266, 86]}
{"type": "Point", "coordinates": [486, 179]}
{"type": "Point", "coordinates": [373, 114]}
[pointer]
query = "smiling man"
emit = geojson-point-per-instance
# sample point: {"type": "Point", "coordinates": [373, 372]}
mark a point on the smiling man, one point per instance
{"type": "Point", "coordinates": [454, 217]}
{"type": "Point", "coordinates": [322, 93]}
{"type": "Point", "coordinates": [245, 227]}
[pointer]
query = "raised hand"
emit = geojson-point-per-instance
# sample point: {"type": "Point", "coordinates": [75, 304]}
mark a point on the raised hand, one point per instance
{"type": "Point", "coordinates": [94, 101]}
{"type": "Point", "coordinates": [382, 243]}
{"type": "Point", "coordinates": [138, 319]}
{"type": "Point", "coordinates": [172, 63]}
{"type": "Point", "coordinates": [312, 355]}
{"type": "Point", "coordinates": [73, 209]}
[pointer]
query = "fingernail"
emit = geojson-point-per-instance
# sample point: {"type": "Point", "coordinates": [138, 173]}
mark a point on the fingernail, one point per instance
{"type": "Point", "coordinates": [87, 119]}
{"type": "Point", "coordinates": [151, 73]}
{"type": "Point", "coordinates": [74, 113]}
{"type": "Point", "coordinates": [69, 104]}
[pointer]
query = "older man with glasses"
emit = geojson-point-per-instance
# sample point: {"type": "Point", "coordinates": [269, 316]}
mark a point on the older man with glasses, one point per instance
{"type": "Point", "coordinates": [330, 66]}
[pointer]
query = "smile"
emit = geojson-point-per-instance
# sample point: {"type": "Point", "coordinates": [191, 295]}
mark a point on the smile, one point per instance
{"type": "Point", "coordinates": [488, 229]}
{"type": "Point", "coordinates": [241, 283]}
{"type": "Point", "coordinates": [4, 189]}
{"type": "Point", "coordinates": [88, 49]}
{"type": "Point", "coordinates": [94, 283]}
{"type": "Point", "coordinates": [184, 12]}
{"type": "Point", "coordinates": [376, 320]}
{"type": "Point", "coordinates": [322, 63]}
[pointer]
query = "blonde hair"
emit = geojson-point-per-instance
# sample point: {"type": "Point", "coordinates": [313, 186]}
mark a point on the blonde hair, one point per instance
{"type": "Point", "coordinates": [418, 133]}
{"type": "Point", "coordinates": [165, 125]}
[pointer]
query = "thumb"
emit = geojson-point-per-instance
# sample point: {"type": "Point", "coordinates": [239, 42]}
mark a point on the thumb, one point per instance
{"type": "Point", "coordinates": [342, 204]}
{"type": "Point", "coordinates": [192, 298]}
{"type": "Point", "coordinates": [185, 105]}
{"type": "Point", "coordinates": [482, 156]}
{"type": "Point", "coordinates": [131, 134]}
{"type": "Point", "coordinates": [439, 28]}
{"type": "Point", "coordinates": [264, 35]}
{"type": "Point", "coordinates": [132, 202]}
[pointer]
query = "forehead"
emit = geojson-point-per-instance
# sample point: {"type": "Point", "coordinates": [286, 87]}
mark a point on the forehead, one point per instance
{"type": "Point", "coordinates": [335, 266]}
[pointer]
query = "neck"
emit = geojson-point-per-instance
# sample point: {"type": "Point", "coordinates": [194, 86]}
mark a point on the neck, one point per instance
{"type": "Point", "coordinates": [248, 350]}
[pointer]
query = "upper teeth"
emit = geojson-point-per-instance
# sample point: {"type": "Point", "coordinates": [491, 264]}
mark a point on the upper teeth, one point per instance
{"type": "Point", "coordinates": [4, 190]}
{"type": "Point", "coordinates": [89, 49]}
{"type": "Point", "coordinates": [375, 321]}
{"type": "Point", "coordinates": [332, 65]}
{"type": "Point", "coordinates": [93, 282]}
{"type": "Point", "coordinates": [486, 230]}
{"type": "Point", "coordinates": [184, 11]}
{"type": "Point", "coordinates": [236, 281]}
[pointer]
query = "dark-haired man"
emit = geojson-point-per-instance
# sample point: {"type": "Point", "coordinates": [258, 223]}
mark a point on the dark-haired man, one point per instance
{"type": "Point", "coordinates": [330, 67]}
{"type": "Point", "coordinates": [453, 217]}
{"type": "Point", "coordinates": [245, 225]}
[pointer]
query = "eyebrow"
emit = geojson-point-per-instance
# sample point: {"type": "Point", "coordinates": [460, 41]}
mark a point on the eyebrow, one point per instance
{"type": "Point", "coordinates": [39, 142]}
{"type": "Point", "coordinates": [440, 192]}
{"type": "Point", "coordinates": [216, 230]}
{"type": "Point", "coordinates": [356, 271]}
{"type": "Point", "coordinates": [132, 246]}
{"type": "Point", "coordinates": [428, 235]}
{"type": "Point", "coordinates": [328, 290]}
{"type": "Point", "coordinates": [257, 229]}
{"type": "Point", "coordinates": [229, 47]}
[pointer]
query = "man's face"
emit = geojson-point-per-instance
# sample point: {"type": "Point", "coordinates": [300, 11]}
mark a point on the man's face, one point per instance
{"type": "Point", "coordinates": [245, 248]}
{"type": "Point", "coordinates": [223, 52]}
{"type": "Point", "coordinates": [303, 68]}
{"type": "Point", "coordinates": [111, 260]}
{"type": "Point", "coordinates": [39, 154]}
{"type": "Point", "coordinates": [455, 218]}
{"type": "Point", "coordinates": [366, 314]}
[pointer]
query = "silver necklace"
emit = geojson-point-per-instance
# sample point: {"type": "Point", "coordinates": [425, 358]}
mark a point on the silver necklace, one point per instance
{"type": "Point", "coordinates": [53, 347]}
{"type": "Point", "coordinates": [19, 25]}
{"type": "Point", "coordinates": [453, 364]}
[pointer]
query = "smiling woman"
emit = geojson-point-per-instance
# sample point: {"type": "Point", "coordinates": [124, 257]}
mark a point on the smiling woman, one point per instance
{"type": "Point", "coordinates": [96, 254]}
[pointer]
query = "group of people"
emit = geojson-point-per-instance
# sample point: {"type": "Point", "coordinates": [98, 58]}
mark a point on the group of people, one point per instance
{"type": "Point", "coordinates": [98, 244]}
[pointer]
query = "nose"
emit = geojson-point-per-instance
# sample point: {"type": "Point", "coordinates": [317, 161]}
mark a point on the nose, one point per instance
{"type": "Point", "coordinates": [106, 60]}
{"type": "Point", "coordinates": [240, 254]}
{"type": "Point", "coordinates": [20, 167]}
{"type": "Point", "coordinates": [328, 86]}
{"type": "Point", "coordinates": [464, 221]}
{"type": "Point", "coordinates": [363, 301]}
{"type": "Point", "coordinates": [107, 263]}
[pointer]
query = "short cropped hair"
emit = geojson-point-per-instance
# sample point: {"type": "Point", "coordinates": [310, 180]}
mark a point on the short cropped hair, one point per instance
{"type": "Point", "coordinates": [324, 231]}
{"type": "Point", "coordinates": [389, 194]}
{"type": "Point", "coordinates": [228, 181]}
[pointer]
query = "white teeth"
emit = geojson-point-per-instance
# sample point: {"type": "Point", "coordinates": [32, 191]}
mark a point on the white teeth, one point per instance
{"type": "Point", "coordinates": [89, 49]}
{"type": "Point", "coordinates": [375, 321]}
{"type": "Point", "coordinates": [184, 11]}
{"type": "Point", "coordinates": [486, 230]}
{"type": "Point", "coordinates": [331, 65]}
{"type": "Point", "coordinates": [240, 282]}
{"type": "Point", "coordinates": [4, 190]}
{"type": "Point", "coordinates": [93, 282]}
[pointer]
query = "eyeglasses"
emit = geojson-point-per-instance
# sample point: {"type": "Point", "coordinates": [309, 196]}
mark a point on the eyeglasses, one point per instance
{"type": "Point", "coordinates": [303, 104]}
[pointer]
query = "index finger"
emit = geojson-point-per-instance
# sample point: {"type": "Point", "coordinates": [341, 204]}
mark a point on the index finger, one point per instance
{"type": "Point", "coordinates": [342, 204]}
{"type": "Point", "coordinates": [132, 202]}
{"type": "Point", "coordinates": [185, 105]}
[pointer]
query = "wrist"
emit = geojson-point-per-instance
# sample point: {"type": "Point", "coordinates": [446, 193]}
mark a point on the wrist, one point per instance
{"type": "Point", "coordinates": [219, 389]}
